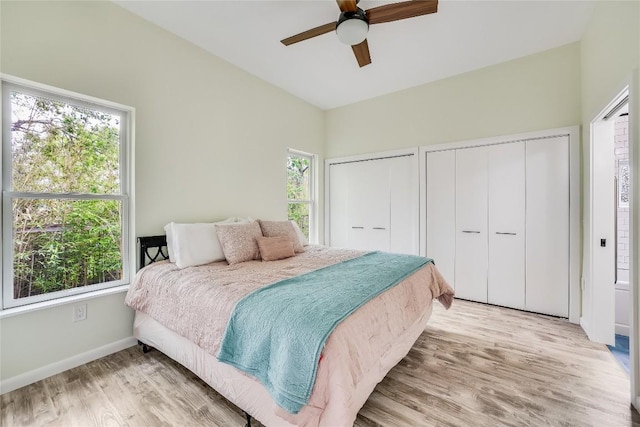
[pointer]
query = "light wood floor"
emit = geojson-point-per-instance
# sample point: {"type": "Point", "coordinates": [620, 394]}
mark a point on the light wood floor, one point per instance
{"type": "Point", "coordinates": [475, 365]}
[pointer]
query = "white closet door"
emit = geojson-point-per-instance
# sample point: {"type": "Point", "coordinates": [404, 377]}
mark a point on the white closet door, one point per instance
{"type": "Point", "coordinates": [471, 224]}
{"type": "Point", "coordinates": [547, 226]}
{"type": "Point", "coordinates": [369, 205]}
{"type": "Point", "coordinates": [506, 275]}
{"type": "Point", "coordinates": [441, 211]}
{"type": "Point", "coordinates": [404, 200]}
{"type": "Point", "coordinates": [357, 200]}
{"type": "Point", "coordinates": [338, 205]}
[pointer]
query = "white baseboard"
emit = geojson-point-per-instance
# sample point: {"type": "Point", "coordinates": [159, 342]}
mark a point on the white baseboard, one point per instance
{"type": "Point", "coordinates": [622, 329]}
{"type": "Point", "coordinates": [38, 374]}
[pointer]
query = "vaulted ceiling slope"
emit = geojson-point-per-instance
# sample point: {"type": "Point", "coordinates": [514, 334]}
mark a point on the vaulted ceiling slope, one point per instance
{"type": "Point", "coordinates": [462, 36]}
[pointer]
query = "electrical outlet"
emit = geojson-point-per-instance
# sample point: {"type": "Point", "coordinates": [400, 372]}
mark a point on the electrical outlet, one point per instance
{"type": "Point", "coordinates": [80, 312]}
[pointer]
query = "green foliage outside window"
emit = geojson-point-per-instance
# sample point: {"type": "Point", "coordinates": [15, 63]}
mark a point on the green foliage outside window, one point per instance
{"type": "Point", "coordinates": [299, 190]}
{"type": "Point", "coordinates": [58, 242]}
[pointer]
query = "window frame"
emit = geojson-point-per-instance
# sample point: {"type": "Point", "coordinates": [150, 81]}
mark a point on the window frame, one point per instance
{"type": "Point", "coordinates": [125, 194]}
{"type": "Point", "coordinates": [312, 201]}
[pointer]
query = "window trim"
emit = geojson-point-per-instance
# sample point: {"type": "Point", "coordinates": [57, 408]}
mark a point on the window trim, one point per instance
{"type": "Point", "coordinates": [312, 202]}
{"type": "Point", "coordinates": [126, 194]}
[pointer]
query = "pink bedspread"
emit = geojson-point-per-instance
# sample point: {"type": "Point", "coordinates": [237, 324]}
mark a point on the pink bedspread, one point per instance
{"type": "Point", "coordinates": [196, 303]}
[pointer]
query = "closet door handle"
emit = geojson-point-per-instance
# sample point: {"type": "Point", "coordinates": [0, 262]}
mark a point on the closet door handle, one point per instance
{"type": "Point", "coordinates": [359, 228]}
{"type": "Point", "coordinates": [379, 228]}
{"type": "Point", "coordinates": [471, 231]}
{"type": "Point", "coordinates": [505, 234]}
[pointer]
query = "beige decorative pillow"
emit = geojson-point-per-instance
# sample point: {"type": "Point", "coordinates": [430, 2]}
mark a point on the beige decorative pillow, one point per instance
{"type": "Point", "coordinates": [275, 248]}
{"type": "Point", "coordinates": [281, 228]}
{"type": "Point", "coordinates": [239, 241]}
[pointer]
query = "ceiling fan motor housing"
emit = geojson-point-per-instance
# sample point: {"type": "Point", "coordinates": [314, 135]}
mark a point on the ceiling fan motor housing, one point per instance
{"type": "Point", "coordinates": [352, 27]}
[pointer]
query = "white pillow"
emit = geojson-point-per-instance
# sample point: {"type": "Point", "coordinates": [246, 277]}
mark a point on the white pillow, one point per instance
{"type": "Point", "coordinates": [241, 219]}
{"type": "Point", "coordinates": [194, 244]}
{"type": "Point", "coordinates": [168, 230]}
{"type": "Point", "coordinates": [303, 239]}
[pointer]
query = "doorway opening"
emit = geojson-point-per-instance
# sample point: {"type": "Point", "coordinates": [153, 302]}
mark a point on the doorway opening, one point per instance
{"type": "Point", "coordinates": [622, 174]}
{"type": "Point", "coordinates": [608, 308]}
{"type": "Point", "coordinates": [599, 300]}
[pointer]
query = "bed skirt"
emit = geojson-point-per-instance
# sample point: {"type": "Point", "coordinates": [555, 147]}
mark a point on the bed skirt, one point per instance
{"type": "Point", "coordinates": [250, 396]}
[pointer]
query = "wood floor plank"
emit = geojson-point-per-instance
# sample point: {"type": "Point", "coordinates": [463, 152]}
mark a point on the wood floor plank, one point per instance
{"type": "Point", "coordinates": [474, 365]}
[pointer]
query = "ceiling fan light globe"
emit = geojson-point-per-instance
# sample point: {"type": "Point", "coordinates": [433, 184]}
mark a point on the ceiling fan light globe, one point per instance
{"type": "Point", "coordinates": [352, 31]}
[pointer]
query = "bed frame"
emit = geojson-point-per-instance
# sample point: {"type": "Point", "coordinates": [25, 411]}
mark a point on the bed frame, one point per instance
{"type": "Point", "coordinates": [158, 244]}
{"type": "Point", "coordinates": [153, 249]}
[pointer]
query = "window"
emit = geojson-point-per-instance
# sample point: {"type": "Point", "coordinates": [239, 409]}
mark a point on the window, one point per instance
{"type": "Point", "coordinates": [65, 194]}
{"type": "Point", "coordinates": [300, 191]}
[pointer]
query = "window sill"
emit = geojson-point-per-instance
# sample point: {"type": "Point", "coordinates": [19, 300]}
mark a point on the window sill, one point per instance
{"type": "Point", "coordinates": [16, 311]}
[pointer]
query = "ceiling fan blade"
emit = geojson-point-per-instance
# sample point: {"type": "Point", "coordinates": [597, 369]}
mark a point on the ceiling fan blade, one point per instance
{"type": "Point", "coordinates": [361, 51]}
{"type": "Point", "coordinates": [314, 32]}
{"type": "Point", "coordinates": [403, 10]}
{"type": "Point", "coordinates": [347, 5]}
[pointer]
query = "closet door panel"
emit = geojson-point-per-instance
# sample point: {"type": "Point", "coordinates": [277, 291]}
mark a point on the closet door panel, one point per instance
{"type": "Point", "coordinates": [404, 199]}
{"type": "Point", "coordinates": [547, 226]}
{"type": "Point", "coordinates": [378, 204]}
{"type": "Point", "coordinates": [471, 224]}
{"type": "Point", "coordinates": [506, 274]}
{"type": "Point", "coordinates": [369, 205]}
{"type": "Point", "coordinates": [357, 206]}
{"type": "Point", "coordinates": [378, 193]}
{"type": "Point", "coordinates": [441, 211]}
{"type": "Point", "coordinates": [338, 205]}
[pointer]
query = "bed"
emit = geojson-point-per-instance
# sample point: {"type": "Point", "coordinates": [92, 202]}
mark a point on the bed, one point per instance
{"type": "Point", "coordinates": [184, 313]}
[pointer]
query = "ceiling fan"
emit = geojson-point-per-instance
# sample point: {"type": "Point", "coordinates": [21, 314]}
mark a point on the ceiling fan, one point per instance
{"type": "Point", "coordinates": [353, 24]}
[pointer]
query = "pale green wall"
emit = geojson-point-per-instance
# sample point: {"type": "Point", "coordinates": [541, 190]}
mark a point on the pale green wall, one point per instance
{"type": "Point", "coordinates": [210, 141]}
{"type": "Point", "coordinates": [537, 92]}
{"type": "Point", "coordinates": [610, 48]}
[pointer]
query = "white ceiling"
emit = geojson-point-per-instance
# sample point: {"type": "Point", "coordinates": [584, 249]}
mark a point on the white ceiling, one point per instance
{"type": "Point", "coordinates": [464, 35]}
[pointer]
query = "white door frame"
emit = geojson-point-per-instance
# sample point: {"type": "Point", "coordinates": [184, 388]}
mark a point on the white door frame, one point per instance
{"type": "Point", "coordinates": [630, 87]}
{"type": "Point", "coordinates": [634, 233]}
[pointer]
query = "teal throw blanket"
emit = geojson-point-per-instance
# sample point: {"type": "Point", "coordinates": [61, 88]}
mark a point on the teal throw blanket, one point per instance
{"type": "Point", "coordinates": [277, 333]}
